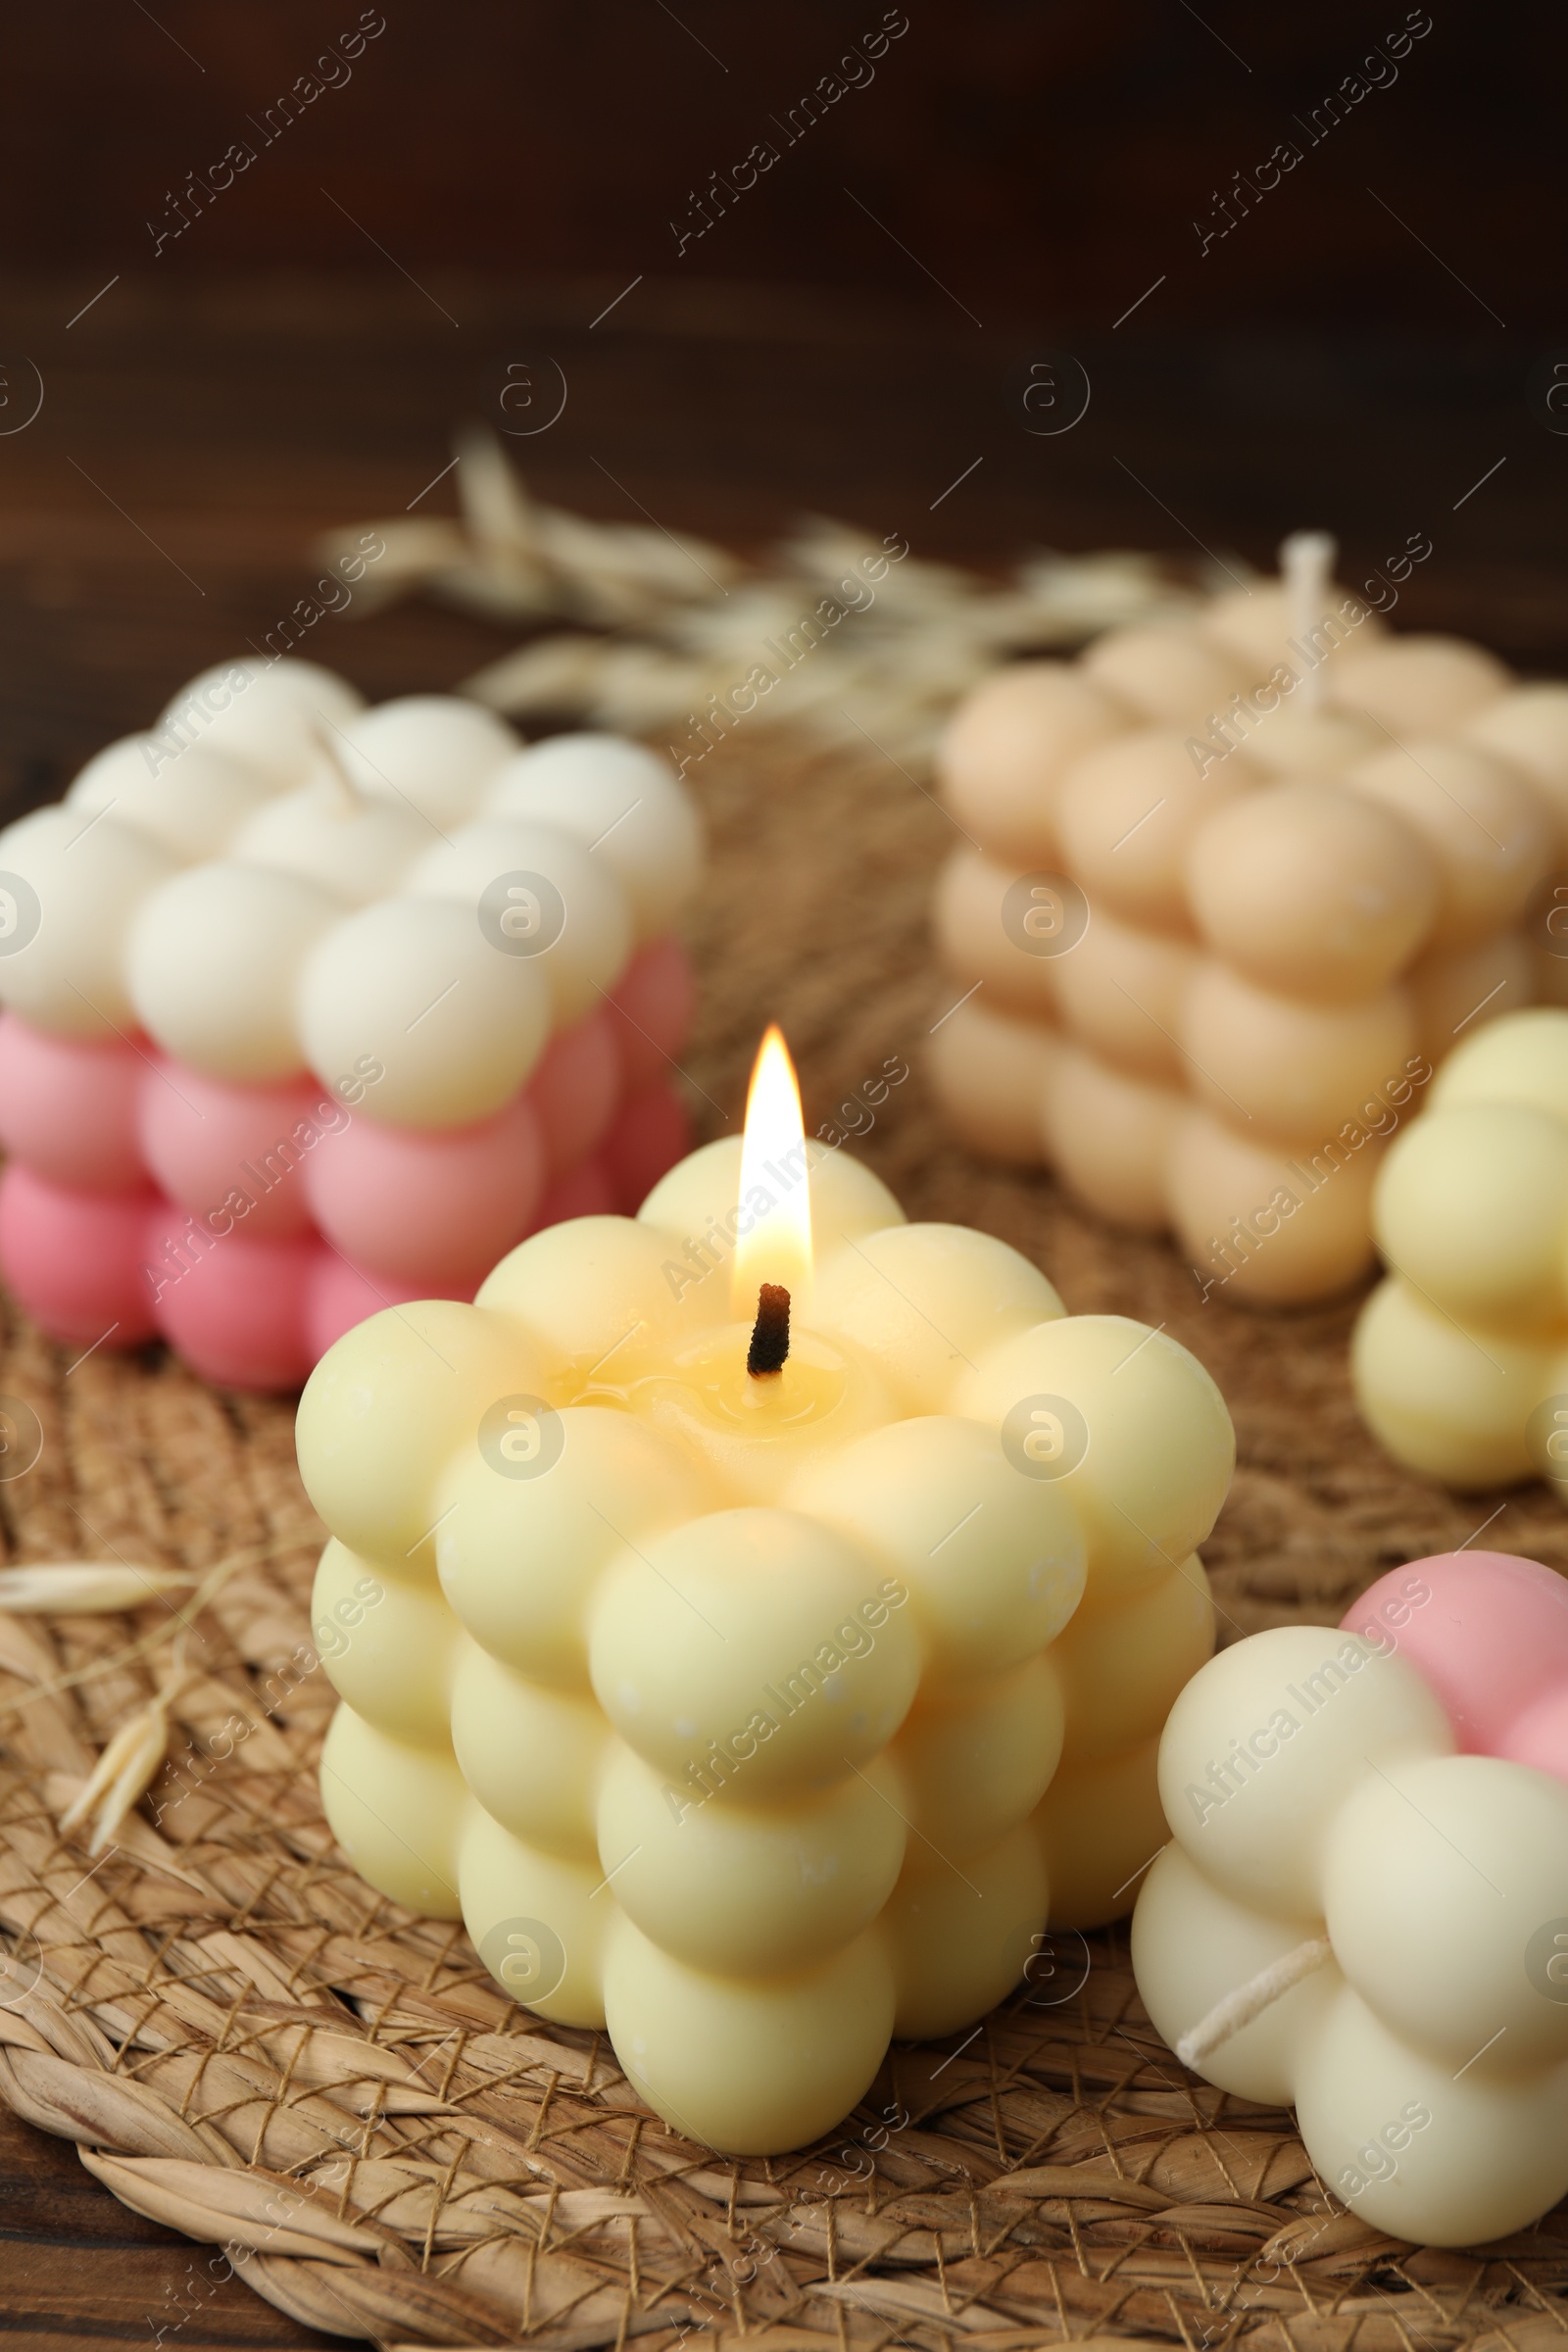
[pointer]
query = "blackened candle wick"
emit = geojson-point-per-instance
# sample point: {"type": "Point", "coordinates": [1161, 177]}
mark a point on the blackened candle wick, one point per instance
{"type": "Point", "coordinates": [771, 1334]}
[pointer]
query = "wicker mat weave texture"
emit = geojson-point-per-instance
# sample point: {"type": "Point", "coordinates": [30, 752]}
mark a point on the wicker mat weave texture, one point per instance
{"type": "Point", "coordinates": [248, 2045]}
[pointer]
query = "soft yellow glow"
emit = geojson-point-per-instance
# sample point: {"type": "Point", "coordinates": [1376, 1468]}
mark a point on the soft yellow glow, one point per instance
{"type": "Point", "coordinates": [775, 1194]}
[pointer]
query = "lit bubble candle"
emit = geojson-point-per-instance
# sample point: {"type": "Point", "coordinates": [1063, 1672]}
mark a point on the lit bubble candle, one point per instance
{"type": "Point", "coordinates": [1363, 1909]}
{"type": "Point", "coordinates": [310, 1008]}
{"type": "Point", "coordinates": [782, 1601]}
{"type": "Point", "coordinates": [1233, 888]}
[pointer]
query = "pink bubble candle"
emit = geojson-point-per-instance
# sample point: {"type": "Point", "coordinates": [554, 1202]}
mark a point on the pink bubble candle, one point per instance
{"type": "Point", "coordinates": [311, 1010]}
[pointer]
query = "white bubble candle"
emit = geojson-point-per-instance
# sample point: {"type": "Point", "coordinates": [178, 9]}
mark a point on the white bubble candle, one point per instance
{"type": "Point", "coordinates": [1233, 887]}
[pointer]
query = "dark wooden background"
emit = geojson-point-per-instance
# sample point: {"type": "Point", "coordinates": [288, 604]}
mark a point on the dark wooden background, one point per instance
{"type": "Point", "coordinates": [158, 511]}
{"type": "Point", "coordinates": [1044, 157]}
{"type": "Point", "coordinates": [843, 340]}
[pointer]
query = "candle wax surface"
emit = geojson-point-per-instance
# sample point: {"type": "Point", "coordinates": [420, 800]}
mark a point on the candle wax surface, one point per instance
{"type": "Point", "coordinates": [759, 1718]}
{"type": "Point", "coordinates": [1399, 1787]}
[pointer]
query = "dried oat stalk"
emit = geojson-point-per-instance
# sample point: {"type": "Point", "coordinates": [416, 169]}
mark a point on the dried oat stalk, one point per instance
{"type": "Point", "coordinates": [82, 1588]}
{"type": "Point", "coordinates": [862, 644]}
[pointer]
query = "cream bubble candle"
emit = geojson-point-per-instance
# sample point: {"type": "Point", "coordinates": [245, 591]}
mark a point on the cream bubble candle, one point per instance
{"type": "Point", "coordinates": [310, 1008]}
{"type": "Point", "coordinates": [782, 1601]}
{"type": "Point", "coordinates": [1460, 1356]}
{"type": "Point", "coordinates": [1363, 1909]}
{"type": "Point", "coordinates": [1232, 889]}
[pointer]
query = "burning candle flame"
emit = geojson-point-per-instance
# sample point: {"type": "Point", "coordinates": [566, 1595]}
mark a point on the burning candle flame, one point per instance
{"type": "Point", "coordinates": [775, 1196]}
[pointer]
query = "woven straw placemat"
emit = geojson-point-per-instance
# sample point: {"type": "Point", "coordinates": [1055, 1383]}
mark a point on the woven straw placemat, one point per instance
{"type": "Point", "coordinates": [250, 2045]}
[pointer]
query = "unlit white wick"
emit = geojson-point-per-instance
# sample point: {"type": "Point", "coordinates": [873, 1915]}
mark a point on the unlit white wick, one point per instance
{"type": "Point", "coordinates": [333, 782]}
{"type": "Point", "coordinates": [1249, 2000]}
{"type": "Point", "coordinates": [1306, 563]}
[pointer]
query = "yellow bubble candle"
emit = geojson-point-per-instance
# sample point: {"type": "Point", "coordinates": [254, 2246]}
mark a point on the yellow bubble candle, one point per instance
{"type": "Point", "coordinates": [781, 1606]}
{"type": "Point", "coordinates": [1460, 1356]}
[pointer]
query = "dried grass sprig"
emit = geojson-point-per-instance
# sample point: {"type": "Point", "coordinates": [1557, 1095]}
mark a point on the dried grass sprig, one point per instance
{"type": "Point", "coordinates": [131, 1761]}
{"type": "Point", "coordinates": [84, 1588]}
{"type": "Point", "coordinates": [668, 628]}
{"type": "Point", "coordinates": [182, 1617]}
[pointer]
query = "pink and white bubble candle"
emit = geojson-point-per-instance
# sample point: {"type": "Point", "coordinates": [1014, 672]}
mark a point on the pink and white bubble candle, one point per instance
{"type": "Point", "coordinates": [312, 1008]}
{"type": "Point", "coordinates": [1363, 1907]}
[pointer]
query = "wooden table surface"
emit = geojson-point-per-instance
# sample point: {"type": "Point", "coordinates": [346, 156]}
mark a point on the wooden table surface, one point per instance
{"type": "Point", "coordinates": [157, 514]}
{"type": "Point", "coordinates": [76, 2267]}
